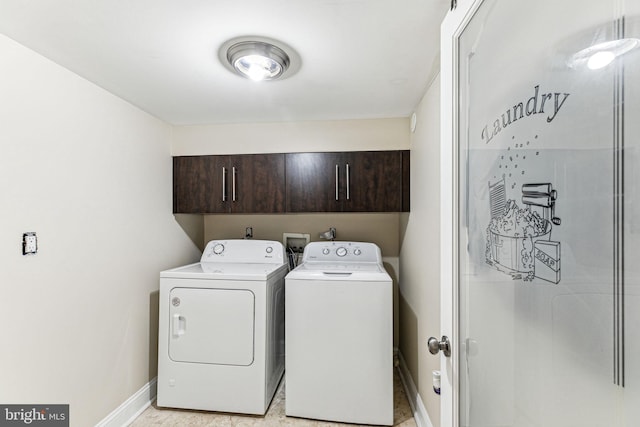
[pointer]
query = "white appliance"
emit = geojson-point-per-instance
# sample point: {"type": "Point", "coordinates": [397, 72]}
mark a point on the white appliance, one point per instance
{"type": "Point", "coordinates": [339, 335]}
{"type": "Point", "coordinates": [221, 328]}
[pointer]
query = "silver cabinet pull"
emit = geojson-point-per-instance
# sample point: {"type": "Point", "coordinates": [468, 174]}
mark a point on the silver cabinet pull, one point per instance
{"type": "Point", "coordinates": [348, 184]}
{"type": "Point", "coordinates": [224, 184]}
{"type": "Point", "coordinates": [233, 183]}
{"type": "Point", "coordinates": [337, 169]}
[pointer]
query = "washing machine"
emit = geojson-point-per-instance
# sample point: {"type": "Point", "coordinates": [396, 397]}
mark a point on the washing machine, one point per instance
{"type": "Point", "coordinates": [221, 328]}
{"type": "Point", "coordinates": [339, 335]}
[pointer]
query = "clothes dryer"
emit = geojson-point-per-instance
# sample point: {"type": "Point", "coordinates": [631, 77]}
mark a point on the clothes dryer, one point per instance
{"type": "Point", "coordinates": [221, 328]}
{"type": "Point", "coordinates": [339, 335]}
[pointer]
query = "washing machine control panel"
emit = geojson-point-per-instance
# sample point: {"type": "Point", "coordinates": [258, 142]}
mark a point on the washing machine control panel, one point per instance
{"type": "Point", "coordinates": [342, 251]}
{"type": "Point", "coordinates": [246, 251]}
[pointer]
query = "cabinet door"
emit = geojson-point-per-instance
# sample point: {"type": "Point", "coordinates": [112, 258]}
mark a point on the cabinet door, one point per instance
{"type": "Point", "coordinates": [257, 183]}
{"type": "Point", "coordinates": [312, 182]}
{"type": "Point", "coordinates": [406, 181]}
{"type": "Point", "coordinates": [198, 184]}
{"type": "Point", "coordinates": [374, 181]}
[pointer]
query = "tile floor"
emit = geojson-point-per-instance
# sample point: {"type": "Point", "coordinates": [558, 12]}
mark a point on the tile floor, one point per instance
{"type": "Point", "coordinates": [275, 416]}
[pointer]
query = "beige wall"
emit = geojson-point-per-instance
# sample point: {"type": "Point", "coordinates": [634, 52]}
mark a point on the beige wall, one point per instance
{"type": "Point", "coordinates": [419, 300]}
{"type": "Point", "coordinates": [346, 135]}
{"type": "Point", "coordinates": [350, 226]}
{"type": "Point", "coordinates": [340, 135]}
{"type": "Point", "coordinates": [91, 174]}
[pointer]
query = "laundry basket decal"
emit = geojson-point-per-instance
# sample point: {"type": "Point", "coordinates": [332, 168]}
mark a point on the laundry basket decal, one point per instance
{"type": "Point", "coordinates": [519, 238]}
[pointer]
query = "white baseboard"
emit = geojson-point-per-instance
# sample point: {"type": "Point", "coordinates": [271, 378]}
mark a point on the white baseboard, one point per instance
{"type": "Point", "coordinates": [415, 401]}
{"type": "Point", "coordinates": [124, 414]}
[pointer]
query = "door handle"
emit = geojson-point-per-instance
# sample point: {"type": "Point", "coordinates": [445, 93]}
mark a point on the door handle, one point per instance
{"type": "Point", "coordinates": [436, 346]}
{"type": "Point", "coordinates": [179, 325]}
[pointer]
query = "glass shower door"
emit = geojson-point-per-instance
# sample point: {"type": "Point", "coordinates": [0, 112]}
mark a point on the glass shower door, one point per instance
{"type": "Point", "coordinates": [548, 218]}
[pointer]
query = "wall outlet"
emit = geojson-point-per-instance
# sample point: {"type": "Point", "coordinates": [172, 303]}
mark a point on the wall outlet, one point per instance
{"type": "Point", "coordinates": [29, 243]}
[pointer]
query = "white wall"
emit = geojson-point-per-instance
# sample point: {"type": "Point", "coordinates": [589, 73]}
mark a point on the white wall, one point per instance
{"type": "Point", "coordinates": [91, 175]}
{"type": "Point", "coordinates": [419, 253]}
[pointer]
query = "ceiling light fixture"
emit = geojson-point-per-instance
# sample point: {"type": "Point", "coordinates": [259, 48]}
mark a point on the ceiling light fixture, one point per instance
{"type": "Point", "coordinates": [602, 54]}
{"type": "Point", "coordinates": [258, 58]}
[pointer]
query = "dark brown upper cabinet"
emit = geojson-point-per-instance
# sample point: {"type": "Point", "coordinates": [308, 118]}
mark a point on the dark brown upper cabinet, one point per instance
{"type": "Point", "coordinates": [315, 182]}
{"type": "Point", "coordinates": [362, 181]}
{"type": "Point", "coordinates": [246, 183]}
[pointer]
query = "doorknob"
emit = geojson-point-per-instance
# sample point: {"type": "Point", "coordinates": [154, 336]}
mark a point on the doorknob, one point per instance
{"type": "Point", "coordinates": [435, 346]}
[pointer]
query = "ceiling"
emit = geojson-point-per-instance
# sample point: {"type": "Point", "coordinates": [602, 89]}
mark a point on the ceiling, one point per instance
{"type": "Point", "coordinates": [359, 58]}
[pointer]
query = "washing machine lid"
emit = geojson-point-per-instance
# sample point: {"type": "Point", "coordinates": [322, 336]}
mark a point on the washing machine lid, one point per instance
{"type": "Point", "coordinates": [226, 271]}
{"type": "Point", "coordinates": [367, 272]}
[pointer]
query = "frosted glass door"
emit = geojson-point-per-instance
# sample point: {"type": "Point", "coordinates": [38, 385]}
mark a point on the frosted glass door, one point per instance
{"type": "Point", "coordinates": [548, 261]}
{"type": "Point", "coordinates": [631, 220]}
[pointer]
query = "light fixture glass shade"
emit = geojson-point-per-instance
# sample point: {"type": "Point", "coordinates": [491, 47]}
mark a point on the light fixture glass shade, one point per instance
{"type": "Point", "coordinates": [258, 60]}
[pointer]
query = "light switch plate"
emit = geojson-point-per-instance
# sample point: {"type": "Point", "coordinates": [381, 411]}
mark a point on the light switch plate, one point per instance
{"type": "Point", "coordinates": [29, 243]}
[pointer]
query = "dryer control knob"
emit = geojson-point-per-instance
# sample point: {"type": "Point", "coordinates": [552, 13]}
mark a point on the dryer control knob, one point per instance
{"type": "Point", "coordinates": [326, 251]}
{"type": "Point", "coordinates": [269, 249]}
{"type": "Point", "coordinates": [357, 252]}
{"type": "Point", "coordinates": [218, 248]}
{"type": "Point", "coordinates": [341, 251]}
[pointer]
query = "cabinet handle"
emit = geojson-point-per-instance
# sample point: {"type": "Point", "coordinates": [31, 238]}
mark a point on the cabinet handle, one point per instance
{"type": "Point", "coordinates": [224, 184]}
{"type": "Point", "coordinates": [337, 182]}
{"type": "Point", "coordinates": [233, 183]}
{"type": "Point", "coordinates": [348, 184]}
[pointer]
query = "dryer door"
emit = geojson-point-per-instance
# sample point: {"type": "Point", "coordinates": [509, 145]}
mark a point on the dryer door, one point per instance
{"type": "Point", "coordinates": [212, 326]}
